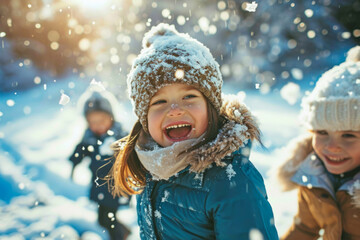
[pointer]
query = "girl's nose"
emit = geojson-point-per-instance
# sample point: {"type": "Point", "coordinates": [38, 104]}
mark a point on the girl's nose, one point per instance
{"type": "Point", "coordinates": [333, 146]}
{"type": "Point", "coordinates": [175, 110]}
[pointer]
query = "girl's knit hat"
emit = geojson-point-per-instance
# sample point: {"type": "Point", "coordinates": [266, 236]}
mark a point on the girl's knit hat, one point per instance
{"type": "Point", "coordinates": [170, 57]}
{"type": "Point", "coordinates": [334, 103]}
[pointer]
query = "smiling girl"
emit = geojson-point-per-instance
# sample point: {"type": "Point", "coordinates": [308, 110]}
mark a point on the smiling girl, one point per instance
{"type": "Point", "coordinates": [325, 166]}
{"type": "Point", "coordinates": [187, 157]}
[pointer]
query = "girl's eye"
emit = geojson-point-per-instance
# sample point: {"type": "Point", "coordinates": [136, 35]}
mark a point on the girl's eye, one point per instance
{"type": "Point", "coordinates": [348, 135]}
{"type": "Point", "coordinates": [321, 132]}
{"type": "Point", "coordinates": [189, 96]}
{"type": "Point", "coordinates": [158, 102]}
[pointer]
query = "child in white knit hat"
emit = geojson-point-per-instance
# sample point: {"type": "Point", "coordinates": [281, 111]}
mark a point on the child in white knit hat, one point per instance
{"type": "Point", "coordinates": [325, 166]}
{"type": "Point", "coordinates": [187, 156]}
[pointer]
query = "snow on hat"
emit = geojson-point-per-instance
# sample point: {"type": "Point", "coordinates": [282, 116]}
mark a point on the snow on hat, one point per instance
{"type": "Point", "coordinates": [353, 54]}
{"type": "Point", "coordinates": [335, 101]}
{"type": "Point", "coordinates": [97, 102]}
{"type": "Point", "coordinates": [169, 57]}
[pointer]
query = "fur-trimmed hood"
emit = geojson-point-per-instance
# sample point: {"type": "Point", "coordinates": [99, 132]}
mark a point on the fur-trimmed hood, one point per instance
{"type": "Point", "coordinates": [298, 150]}
{"type": "Point", "coordinates": [240, 127]}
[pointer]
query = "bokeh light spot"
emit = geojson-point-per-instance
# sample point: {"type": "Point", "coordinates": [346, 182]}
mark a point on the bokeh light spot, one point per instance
{"type": "Point", "coordinates": [84, 44]}
{"type": "Point", "coordinates": [309, 13]}
{"type": "Point", "coordinates": [10, 102]}
{"type": "Point", "coordinates": [54, 45]}
{"type": "Point", "coordinates": [53, 36]}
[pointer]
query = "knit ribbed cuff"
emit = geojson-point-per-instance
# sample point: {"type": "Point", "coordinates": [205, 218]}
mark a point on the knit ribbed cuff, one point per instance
{"type": "Point", "coordinates": [336, 114]}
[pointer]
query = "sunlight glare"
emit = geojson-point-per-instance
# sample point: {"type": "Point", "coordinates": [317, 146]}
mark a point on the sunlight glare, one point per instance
{"type": "Point", "coordinates": [92, 4]}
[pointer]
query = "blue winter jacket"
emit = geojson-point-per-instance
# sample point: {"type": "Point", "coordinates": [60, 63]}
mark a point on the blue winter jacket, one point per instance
{"type": "Point", "coordinates": [218, 203]}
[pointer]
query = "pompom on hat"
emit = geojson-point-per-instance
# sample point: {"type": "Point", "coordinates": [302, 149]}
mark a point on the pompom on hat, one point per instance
{"type": "Point", "coordinates": [170, 57]}
{"type": "Point", "coordinates": [353, 54]}
{"type": "Point", "coordinates": [334, 104]}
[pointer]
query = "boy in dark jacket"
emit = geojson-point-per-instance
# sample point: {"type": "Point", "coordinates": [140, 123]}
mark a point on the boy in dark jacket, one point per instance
{"type": "Point", "coordinates": [101, 132]}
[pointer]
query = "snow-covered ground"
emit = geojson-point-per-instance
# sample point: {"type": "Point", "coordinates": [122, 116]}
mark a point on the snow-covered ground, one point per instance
{"type": "Point", "coordinates": [38, 200]}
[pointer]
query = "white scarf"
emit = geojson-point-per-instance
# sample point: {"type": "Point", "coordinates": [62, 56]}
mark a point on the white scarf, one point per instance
{"type": "Point", "coordinates": [163, 162]}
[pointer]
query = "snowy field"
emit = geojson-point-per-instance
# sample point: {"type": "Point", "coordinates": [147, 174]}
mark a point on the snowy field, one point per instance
{"type": "Point", "coordinates": [38, 199]}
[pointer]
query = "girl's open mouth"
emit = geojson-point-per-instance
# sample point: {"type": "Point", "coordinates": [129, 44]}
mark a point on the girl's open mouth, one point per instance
{"type": "Point", "coordinates": [336, 160]}
{"type": "Point", "coordinates": [178, 132]}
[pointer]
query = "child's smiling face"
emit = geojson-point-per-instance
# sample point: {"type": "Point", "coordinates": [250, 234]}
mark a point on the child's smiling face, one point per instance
{"type": "Point", "coordinates": [339, 150]}
{"type": "Point", "coordinates": [177, 112]}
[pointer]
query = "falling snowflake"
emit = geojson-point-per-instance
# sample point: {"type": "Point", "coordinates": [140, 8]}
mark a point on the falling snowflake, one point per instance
{"type": "Point", "coordinates": [100, 195]}
{"type": "Point", "coordinates": [179, 74]}
{"type": "Point", "coordinates": [255, 234]}
{"type": "Point", "coordinates": [64, 99]}
{"type": "Point", "coordinates": [10, 102]}
{"type": "Point", "coordinates": [91, 148]}
{"type": "Point", "coordinates": [291, 92]}
{"type": "Point", "coordinates": [21, 186]}
{"type": "Point", "coordinates": [251, 7]}
{"type": "Point", "coordinates": [304, 178]}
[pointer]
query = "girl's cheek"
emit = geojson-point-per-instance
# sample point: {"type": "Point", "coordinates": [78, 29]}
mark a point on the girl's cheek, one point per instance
{"type": "Point", "coordinates": [157, 111]}
{"type": "Point", "coordinates": [352, 144]}
{"type": "Point", "coordinates": [316, 143]}
{"type": "Point", "coordinates": [193, 106]}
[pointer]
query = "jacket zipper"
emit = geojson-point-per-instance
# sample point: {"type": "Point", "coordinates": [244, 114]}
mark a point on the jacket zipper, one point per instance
{"type": "Point", "coordinates": [152, 202]}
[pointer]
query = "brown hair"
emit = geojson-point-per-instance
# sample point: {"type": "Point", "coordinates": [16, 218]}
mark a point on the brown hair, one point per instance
{"type": "Point", "coordinates": [128, 175]}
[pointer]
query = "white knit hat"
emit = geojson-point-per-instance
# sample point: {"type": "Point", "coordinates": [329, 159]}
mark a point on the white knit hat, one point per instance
{"type": "Point", "coordinates": [170, 57]}
{"type": "Point", "coordinates": [334, 104]}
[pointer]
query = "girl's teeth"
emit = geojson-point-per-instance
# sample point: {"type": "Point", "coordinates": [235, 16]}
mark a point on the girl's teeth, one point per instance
{"type": "Point", "coordinates": [336, 159]}
{"type": "Point", "coordinates": [178, 126]}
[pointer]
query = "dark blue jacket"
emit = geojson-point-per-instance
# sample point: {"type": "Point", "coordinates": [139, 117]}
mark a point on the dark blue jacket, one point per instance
{"type": "Point", "coordinates": [219, 203]}
{"type": "Point", "coordinates": [98, 149]}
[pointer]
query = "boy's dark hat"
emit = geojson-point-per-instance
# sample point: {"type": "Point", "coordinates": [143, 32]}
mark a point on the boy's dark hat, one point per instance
{"type": "Point", "coordinates": [97, 102]}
